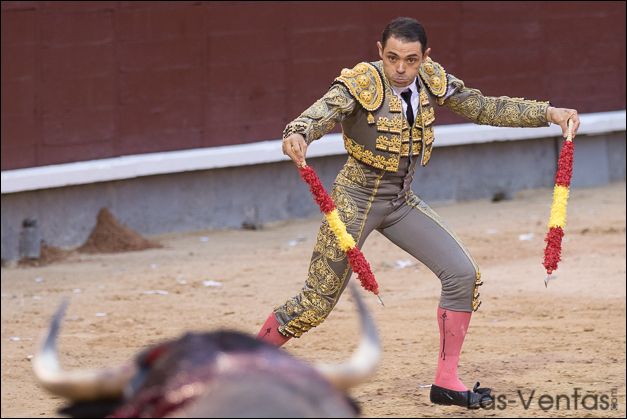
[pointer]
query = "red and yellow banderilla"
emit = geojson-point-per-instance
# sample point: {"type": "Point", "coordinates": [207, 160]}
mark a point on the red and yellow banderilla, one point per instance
{"type": "Point", "coordinates": [557, 220]}
{"type": "Point", "coordinates": [356, 259]}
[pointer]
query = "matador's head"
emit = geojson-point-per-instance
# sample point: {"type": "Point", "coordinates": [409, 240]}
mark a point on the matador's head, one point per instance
{"type": "Point", "coordinates": [403, 48]}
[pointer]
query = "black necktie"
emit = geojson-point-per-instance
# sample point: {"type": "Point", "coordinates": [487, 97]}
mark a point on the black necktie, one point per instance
{"type": "Point", "coordinates": [406, 95]}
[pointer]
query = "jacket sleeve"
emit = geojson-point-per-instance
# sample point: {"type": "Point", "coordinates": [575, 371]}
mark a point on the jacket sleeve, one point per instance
{"type": "Point", "coordinates": [499, 111]}
{"type": "Point", "coordinates": [321, 117]}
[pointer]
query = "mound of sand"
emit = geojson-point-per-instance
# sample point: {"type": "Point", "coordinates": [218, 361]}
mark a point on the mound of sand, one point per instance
{"type": "Point", "coordinates": [110, 236]}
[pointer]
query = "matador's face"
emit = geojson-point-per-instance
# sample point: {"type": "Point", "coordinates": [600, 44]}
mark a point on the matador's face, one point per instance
{"type": "Point", "coordinates": [401, 60]}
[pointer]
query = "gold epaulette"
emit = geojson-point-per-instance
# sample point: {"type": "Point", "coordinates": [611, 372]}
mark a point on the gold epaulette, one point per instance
{"type": "Point", "coordinates": [363, 83]}
{"type": "Point", "coordinates": [434, 77]}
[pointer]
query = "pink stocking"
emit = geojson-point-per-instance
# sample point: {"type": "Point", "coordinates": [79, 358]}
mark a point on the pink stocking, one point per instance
{"type": "Point", "coordinates": [269, 332]}
{"type": "Point", "coordinates": [453, 326]}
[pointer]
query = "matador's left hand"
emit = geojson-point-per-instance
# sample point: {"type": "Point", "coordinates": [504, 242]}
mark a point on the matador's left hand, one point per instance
{"type": "Point", "coordinates": [560, 116]}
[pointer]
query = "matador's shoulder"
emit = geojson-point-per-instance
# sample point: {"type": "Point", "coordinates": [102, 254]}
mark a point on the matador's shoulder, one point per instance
{"type": "Point", "coordinates": [434, 77]}
{"type": "Point", "coordinates": [364, 83]}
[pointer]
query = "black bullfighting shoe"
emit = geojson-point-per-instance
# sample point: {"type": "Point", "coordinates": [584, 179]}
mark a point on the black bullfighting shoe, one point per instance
{"type": "Point", "coordinates": [479, 397]}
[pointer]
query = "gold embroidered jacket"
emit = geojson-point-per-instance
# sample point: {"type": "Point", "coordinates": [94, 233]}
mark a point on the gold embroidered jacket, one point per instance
{"type": "Point", "coordinates": [374, 128]}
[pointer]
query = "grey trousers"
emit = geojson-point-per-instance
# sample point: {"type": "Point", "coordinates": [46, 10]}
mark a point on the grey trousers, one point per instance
{"type": "Point", "coordinates": [369, 199]}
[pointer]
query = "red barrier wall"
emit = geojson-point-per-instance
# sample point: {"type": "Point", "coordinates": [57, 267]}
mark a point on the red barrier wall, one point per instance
{"type": "Point", "coordinates": [88, 80]}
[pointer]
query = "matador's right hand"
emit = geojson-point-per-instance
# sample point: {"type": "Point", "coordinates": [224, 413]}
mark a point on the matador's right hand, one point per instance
{"type": "Point", "coordinates": [295, 147]}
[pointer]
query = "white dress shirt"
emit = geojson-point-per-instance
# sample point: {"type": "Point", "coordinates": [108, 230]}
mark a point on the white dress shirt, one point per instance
{"type": "Point", "coordinates": [414, 97]}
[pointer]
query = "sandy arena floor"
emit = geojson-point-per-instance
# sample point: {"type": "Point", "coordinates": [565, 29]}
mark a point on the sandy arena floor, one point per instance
{"type": "Point", "coordinates": [526, 340]}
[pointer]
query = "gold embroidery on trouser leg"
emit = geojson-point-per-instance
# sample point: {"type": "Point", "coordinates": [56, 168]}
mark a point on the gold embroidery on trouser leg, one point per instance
{"type": "Point", "coordinates": [322, 278]}
{"type": "Point", "coordinates": [316, 299]}
{"type": "Point", "coordinates": [475, 293]}
{"type": "Point", "coordinates": [346, 206]}
{"type": "Point", "coordinates": [328, 272]}
{"type": "Point", "coordinates": [417, 203]}
{"type": "Point", "coordinates": [311, 310]}
{"type": "Point", "coordinates": [326, 243]}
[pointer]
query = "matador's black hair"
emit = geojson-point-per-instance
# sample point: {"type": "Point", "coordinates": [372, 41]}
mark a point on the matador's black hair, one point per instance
{"type": "Point", "coordinates": [406, 29]}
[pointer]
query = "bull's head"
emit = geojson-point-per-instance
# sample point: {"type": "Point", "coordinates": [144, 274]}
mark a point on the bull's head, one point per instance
{"type": "Point", "coordinates": [214, 374]}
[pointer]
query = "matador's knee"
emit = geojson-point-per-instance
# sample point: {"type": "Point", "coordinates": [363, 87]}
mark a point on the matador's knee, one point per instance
{"type": "Point", "coordinates": [460, 289]}
{"type": "Point", "coordinates": [303, 312]}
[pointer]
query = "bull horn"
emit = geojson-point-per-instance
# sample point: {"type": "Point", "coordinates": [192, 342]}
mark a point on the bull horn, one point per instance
{"type": "Point", "coordinates": [364, 360]}
{"type": "Point", "coordinates": [78, 385]}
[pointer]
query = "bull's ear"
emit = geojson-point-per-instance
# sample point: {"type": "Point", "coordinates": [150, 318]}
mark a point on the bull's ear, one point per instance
{"type": "Point", "coordinates": [365, 359]}
{"type": "Point", "coordinates": [76, 385]}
